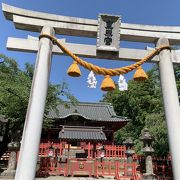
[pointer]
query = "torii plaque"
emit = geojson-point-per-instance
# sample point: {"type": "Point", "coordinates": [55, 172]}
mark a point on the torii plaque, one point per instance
{"type": "Point", "coordinates": [51, 24]}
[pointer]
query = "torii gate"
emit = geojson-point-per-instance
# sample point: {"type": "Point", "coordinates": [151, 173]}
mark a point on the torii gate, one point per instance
{"type": "Point", "coordinates": [51, 24]}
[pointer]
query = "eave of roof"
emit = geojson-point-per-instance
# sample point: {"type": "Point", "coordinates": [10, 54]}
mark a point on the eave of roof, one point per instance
{"type": "Point", "coordinates": [89, 111]}
{"type": "Point", "coordinates": [74, 133]}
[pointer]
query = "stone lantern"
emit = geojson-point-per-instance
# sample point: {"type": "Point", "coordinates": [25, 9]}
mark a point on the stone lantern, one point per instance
{"type": "Point", "coordinates": [51, 151]}
{"type": "Point", "coordinates": [13, 147]}
{"type": "Point", "coordinates": [148, 150]}
{"type": "Point", "coordinates": [102, 153]}
{"type": "Point", "coordinates": [3, 121]}
{"type": "Point", "coordinates": [129, 153]}
{"type": "Point", "coordinates": [1, 138]}
{"type": "Point", "coordinates": [129, 147]}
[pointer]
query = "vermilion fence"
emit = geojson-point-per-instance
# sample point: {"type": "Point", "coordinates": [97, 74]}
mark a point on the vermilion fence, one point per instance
{"type": "Point", "coordinates": [109, 150]}
{"type": "Point", "coordinates": [162, 167]}
{"type": "Point", "coordinates": [114, 163]}
{"type": "Point", "coordinates": [94, 168]}
{"type": "Point", "coordinates": [60, 159]}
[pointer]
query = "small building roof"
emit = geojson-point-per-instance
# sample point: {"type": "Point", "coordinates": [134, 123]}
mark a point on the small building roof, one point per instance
{"type": "Point", "coordinates": [89, 111]}
{"type": "Point", "coordinates": [74, 133]}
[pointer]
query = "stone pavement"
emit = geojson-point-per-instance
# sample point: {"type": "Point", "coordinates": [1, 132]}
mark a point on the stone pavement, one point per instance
{"type": "Point", "coordinates": [69, 178]}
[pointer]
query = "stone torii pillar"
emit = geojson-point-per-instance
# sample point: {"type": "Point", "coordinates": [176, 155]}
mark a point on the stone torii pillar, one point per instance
{"type": "Point", "coordinates": [171, 105]}
{"type": "Point", "coordinates": [26, 168]}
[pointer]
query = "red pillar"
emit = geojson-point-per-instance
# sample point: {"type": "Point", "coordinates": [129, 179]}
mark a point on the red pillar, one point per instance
{"type": "Point", "coordinates": [89, 149]}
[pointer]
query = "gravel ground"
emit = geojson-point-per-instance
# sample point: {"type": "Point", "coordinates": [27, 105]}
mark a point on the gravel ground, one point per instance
{"type": "Point", "coordinates": [68, 178]}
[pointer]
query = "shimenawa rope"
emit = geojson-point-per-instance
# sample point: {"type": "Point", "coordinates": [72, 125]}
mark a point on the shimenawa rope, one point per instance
{"type": "Point", "coordinates": [102, 70]}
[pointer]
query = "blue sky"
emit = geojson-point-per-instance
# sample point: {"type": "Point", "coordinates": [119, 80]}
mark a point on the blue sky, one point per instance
{"type": "Point", "coordinates": [154, 12]}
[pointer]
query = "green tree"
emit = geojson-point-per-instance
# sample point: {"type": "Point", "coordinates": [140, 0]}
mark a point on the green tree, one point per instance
{"type": "Point", "coordinates": [177, 76]}
{"type": "Point", "coordinates": [15, 85]}
{"type": "Point", "coordinates": [143, 105]}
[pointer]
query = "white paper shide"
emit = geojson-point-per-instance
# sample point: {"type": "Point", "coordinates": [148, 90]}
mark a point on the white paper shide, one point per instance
{"type": "Point", "coordinates": [91, 80]}
{"type": "Point", "coordinates": [123, 86]}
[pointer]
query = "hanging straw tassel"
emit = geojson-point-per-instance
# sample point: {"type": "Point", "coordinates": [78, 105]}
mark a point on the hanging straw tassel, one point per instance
{"type": "Point", "coordinates": [140, 75]}
{"type": "Point", "coordinates": [74, 70]}
{"type": "Point", "coordinates": [107, 84]}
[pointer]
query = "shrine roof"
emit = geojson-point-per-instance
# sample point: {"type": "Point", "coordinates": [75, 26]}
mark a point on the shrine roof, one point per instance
{"type": "Point", "coordinates": [89, 111]}
{"type": "Point", "coordinates": [72, 133]}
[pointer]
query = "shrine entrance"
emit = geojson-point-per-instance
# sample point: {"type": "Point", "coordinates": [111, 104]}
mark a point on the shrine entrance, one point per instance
{"type": "Point", "coordinates": [109, 31]}
{"type": "Point", "coordinates": [89, 159]}
{"type": "Point", "coordinates": [86, 144]}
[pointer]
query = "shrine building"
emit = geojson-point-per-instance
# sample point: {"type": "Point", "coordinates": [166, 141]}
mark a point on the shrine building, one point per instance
{"type": "Point", "coordinates": [83, 123]}
{"type": "Point", "coordinates": [81, 134]}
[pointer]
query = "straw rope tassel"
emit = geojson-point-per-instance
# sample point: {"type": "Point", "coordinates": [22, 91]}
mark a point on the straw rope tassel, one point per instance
{"type": "Point", "coordinates": [107, 84]}
{"type": "Point", "coordinates": [74, 70]}
{"type": "Point", "coordinates": [140, 74]}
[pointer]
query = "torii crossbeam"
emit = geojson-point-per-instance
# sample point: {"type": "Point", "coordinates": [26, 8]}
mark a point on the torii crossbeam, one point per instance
{"type": "Point", "coordinates": [51, 24]}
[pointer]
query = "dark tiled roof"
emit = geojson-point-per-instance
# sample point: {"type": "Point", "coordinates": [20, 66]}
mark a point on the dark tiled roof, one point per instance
{"type": "Point", "coordinates": [82, 133]}
{"type": "Point", "coordinates": [90, 111]}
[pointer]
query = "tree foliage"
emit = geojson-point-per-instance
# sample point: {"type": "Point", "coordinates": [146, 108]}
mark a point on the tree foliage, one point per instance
{"type": "Point", "coordinates": [143, 105]}
{"type": "Point", "coordinates": [15, 85]}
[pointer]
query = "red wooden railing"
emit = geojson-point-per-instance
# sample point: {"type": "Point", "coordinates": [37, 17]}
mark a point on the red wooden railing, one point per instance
{"type": "Point", "coordinates": [162, 167]}
{"type": "Point", "coordinates": [54, 159]}
{"type": "Point", "coordinates": [59, 166]}
{"type": "Point", "coordinates": [57, 148]}
{"type": "Point", "coordinates": [115, 151]}
{"type": "Point", "coordinates": [94, 168]}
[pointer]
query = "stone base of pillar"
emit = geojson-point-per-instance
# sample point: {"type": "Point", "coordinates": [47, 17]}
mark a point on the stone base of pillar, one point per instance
{"type": "Point", "coordinates": [148, 176]}
{"type": "Point", "coordinates": [8, 174]}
